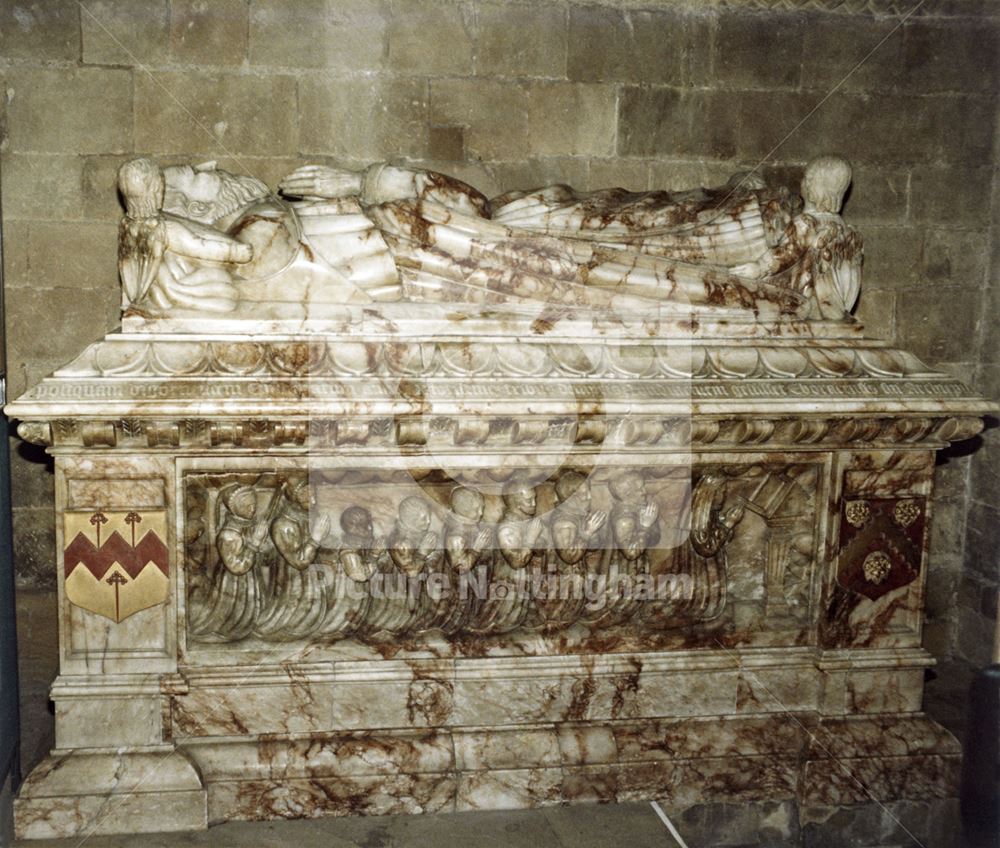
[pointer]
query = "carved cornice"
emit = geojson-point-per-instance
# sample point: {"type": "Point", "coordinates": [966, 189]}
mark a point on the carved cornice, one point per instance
{"type": "Point", "coordinates": [501, 389]}
{"type": "Point", "coordinates": [419, 434]}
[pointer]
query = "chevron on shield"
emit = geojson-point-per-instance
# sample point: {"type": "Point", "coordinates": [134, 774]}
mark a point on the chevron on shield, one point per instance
{"type": "Point", "coordinates": [116, 563]}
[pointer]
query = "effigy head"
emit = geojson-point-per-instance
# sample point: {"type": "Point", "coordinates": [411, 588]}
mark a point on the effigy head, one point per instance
{"type": "Point", "coordinates": [825, 182]}
{"type": "Point", "coordinates": [142, 184]}
{"type": "Point", "coordinates": [206, 194]}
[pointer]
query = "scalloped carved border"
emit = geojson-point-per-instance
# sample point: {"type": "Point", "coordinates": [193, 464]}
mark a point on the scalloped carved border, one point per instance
{"type": "Point", "coordinates": [427, 359]}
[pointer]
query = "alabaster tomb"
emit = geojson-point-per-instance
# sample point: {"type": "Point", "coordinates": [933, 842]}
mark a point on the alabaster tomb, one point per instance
{"type": "Point", "coordinates": [391, 498]}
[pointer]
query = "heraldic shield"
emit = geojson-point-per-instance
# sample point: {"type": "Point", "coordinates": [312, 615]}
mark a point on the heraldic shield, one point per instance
{"type": "Point", "coordinates": [881, 544]}
{"type": "Point", "coordinates": [116, 563]}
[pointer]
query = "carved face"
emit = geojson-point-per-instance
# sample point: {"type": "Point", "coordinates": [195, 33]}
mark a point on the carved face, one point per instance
{"type": "Point", "coordinates": [243, 503]}
{"type": "Point", "coordinates": [303, 496]}
{"type": "Point", "coordinates": [523, 500]}
{"type": "Point", "coordinates": [468, 503]}
{"type": "Point", "coordinates": [356, 521]}
{"type": "Point", "coordinates": [206, 194]}
{"type": "Point", "coordinates": [414, 515]}
{"type": "Point", "coordinates": [625, 528]}
{"type": "Point", "coordinates": [192, 194]}
{"type": "Point", "coordinates": [628, 488]}
{"type": "Point", "coordinates": [573, 490]}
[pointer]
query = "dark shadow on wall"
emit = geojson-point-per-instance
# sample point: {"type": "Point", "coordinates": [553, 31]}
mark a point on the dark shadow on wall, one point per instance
{"type": "Point", "coordinates": [9, 707]}
{"type": "Point", "coordinates": [980, 792]}
{"type": "Point", "coordinates": [34, 532]}
{"type": "Point", "coordinates": [35, 453]}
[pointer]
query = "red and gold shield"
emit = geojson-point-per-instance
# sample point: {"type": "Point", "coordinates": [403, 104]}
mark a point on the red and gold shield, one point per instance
{"type": "Point", "coordinates": [881, 544]}
{"type": "Point", "coordinates": [116, 563]}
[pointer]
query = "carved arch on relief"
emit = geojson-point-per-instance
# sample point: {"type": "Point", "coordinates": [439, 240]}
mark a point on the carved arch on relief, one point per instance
{"type": "Point", "coordinates": [772, 559]}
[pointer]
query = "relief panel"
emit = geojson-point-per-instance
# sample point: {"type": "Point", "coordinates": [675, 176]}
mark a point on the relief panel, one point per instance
{"type": "Point", "coordinates": [721, 554]}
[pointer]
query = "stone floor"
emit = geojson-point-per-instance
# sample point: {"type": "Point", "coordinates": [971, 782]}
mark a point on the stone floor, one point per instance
{"type": "Point", "coordinates": [633, 825]}
{"type": "Point", "coordinates": [778, 825]}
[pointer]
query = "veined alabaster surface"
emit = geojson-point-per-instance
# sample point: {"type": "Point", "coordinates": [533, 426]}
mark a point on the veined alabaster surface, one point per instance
{"type": "Point", "coordinates": [389, 497]}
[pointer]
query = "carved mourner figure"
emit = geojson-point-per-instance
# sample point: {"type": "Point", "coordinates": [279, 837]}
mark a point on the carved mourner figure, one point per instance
{"type": "Point", "coordinates": [297, 597]}
{"type": "Point", "coordinates": [713, 522]}
{"type": "Point", "coordinates": [349, 569]}
{"type": "Point", "coordinates": [392, 232]}
{"type": "Point", "coordinates": [519, 545]}
{"type": "Point", "coordinates": [235, 596]}
{"type": "Point", "coordinates": [241, 537]}
{"type": "Point", "coordinates": [359, 552]}
{"type": "Point", "coordinates": [465, 539]}
{"type": "Point", "coordinates": [575, 524]}
{"type": "Point", "coordinates": [519, 531]}
{"type": "Point", "coordinates": [707, 522]}
{"type": "Point", "coordinates": [412, 547]}
{"type": "Point", "coordinates": [576, 532]}
{"type": "Point", "coordinates": [634, 529]}
{"type": "Point", "coordinates": [467, 546]}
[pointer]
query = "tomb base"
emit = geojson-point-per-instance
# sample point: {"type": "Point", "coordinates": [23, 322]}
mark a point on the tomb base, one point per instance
{"type": "Point", "coordinates": [282, 556]}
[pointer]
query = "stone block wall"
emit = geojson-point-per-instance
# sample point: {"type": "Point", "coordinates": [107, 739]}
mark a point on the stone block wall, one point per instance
{"type": "Point", "coordinates": [655, 94]}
